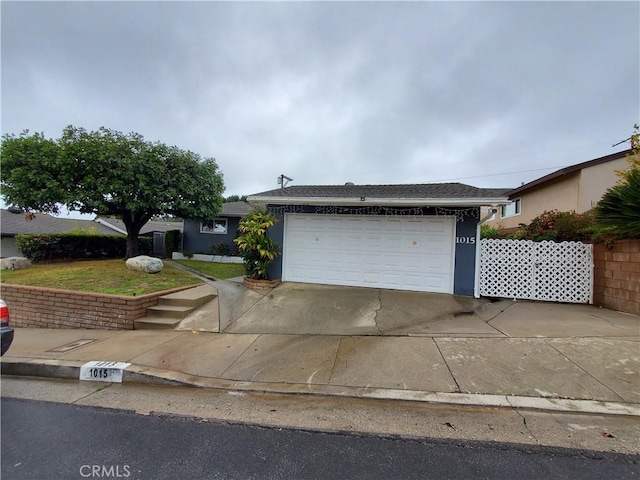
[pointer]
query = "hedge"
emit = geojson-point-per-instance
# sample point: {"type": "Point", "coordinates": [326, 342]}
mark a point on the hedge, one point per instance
{"type": "Point", "coordinates": [64, 246]}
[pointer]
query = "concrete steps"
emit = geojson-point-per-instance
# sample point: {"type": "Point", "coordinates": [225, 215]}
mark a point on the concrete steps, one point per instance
{"type": "Point", "coordinates": [173, 308]}
{"type": "Point", "coordinates": [156, 323]}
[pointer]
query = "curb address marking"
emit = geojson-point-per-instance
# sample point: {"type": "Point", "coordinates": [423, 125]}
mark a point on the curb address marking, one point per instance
{"type": "Point", "coordinates": [101, 371]}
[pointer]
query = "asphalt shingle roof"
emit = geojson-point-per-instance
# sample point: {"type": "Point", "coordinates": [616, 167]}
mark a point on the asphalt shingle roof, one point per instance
{"type": "Point", "coordinates": [416, 191]}
{"type": "Point", "coordinates": [15, 223]}
{"type": "Point", "coordinates": [567, 170]}
{"type": "Point", "coordinates": [149, 227]}
{"type": "Point", "coordinates": [235, 209]}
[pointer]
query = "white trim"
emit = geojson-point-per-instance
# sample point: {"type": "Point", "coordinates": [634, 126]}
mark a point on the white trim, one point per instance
{"type": "Point", "coordinates": [215, 220]}
{"type": "Point", "coordinates": [284, 245]}
{"type": "Point", "coordinates": [454, 248]}
{"type": "Point", "coordinates": [399, 202]}
{"type": "Point", "coordinates": [517, 203]}
{"type": "Point", "coordinates": [476, 280]}
{"type": "Point", "coordinates": [108, 225]}
{"type": "Point", "coordinates": [207, 258]}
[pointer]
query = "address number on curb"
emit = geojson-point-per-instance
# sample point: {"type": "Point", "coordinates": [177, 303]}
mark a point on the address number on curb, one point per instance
{"type": "Point", "coordinates": [99, 371]}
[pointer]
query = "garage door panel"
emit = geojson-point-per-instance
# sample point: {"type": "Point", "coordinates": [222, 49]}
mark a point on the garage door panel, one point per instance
{"type": "Point", "coordinates": [393, 225]}
{"type": "Point", "coordinates": [436, 264]}
{"type": "Point", "coordinates": [431, 282]}
{"type": "Point", "coordinates": [439, 245]}
{"type": "Point", "coordinates": [373, 224]}
{"type": "Point", "coordinates": [416, 226]}
{"type": "Point", "coordinates": [372, 244]}
{"type": "Point", "coordinates": [414, 281]}
{"type": "Point", "coordinates": [390, 262]}
{"type": "Point", "coordinates": [407, 253]}
{"type": "Point", "coordinates": [438, 225]}
{"type": "Point", "coordinates": [391, 243]}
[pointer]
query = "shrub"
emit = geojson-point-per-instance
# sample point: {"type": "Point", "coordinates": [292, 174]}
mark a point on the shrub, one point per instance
{"type": "Point", "coordinates": [220, 248]}
{"type": "Point", "coordinates": [487, 231]}
{"type": "Point", "coordinates": [557, 226]}
{"type": "Point", "coordinates": [58, 246]}
{"type": "Point", "coordinates": [618, 212]}
{"type": "Point", "coordinates": [254, 245]}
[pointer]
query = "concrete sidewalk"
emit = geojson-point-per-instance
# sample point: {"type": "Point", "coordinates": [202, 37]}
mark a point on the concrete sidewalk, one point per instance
{"type": "Point", "coordinates": [546, 356]}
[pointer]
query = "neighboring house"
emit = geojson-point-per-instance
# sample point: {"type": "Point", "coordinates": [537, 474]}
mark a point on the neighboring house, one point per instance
{"type": "Point", "coordinates": [578, 188]}
{"type": "Point", "coordinates": [153, 228]}
{"type": "Point", "coordinates": [149, 228]}
{"type": "Point", "coordinates": [209, 236]}
{"type": "Point", "coordinates": [14, 222]}
{"type": "Point", "coordinates": [403, 237]}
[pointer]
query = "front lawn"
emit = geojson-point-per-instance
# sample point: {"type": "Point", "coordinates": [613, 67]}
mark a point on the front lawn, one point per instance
{"type": "Point", "coordinates": [220, 271]}
{"type": "Point", "coordinates": [99, 276]}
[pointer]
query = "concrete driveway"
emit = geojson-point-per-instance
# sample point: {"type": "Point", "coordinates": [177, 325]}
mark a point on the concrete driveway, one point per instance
{"type": "Point", "coordinates": [307, 309]}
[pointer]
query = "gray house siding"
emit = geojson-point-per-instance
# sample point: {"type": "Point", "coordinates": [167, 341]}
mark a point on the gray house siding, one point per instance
{"type": "Point", "coordinates": [465, 247]}
{"type": "Point", "coordinates": [194, 241]}
{"type": "Point", "coordinates": [8, 248]}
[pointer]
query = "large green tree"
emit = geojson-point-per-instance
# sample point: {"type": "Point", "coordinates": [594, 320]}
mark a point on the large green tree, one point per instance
{"type": "Point", "coordinates": [108, 173]}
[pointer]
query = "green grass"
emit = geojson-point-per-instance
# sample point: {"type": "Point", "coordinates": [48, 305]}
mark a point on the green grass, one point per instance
{"type": "Point", "coordinates": [220, 271]}
{"type": "Point", "coordinates": [99, 276]}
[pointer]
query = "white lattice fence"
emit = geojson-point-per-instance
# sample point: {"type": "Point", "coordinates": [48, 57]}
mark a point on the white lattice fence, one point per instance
{"type": "Point", "coordinates": [558, 272]}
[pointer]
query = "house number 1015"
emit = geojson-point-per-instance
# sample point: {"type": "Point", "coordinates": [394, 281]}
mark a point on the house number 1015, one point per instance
{"type": "Point", "coordinates": [469, 240]}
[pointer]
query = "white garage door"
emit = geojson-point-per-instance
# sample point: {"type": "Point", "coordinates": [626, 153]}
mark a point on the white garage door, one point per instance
{"type": "Point", "coordinates": [402, 253]}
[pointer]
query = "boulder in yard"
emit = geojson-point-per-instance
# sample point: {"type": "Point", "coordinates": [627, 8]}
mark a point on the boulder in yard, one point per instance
{"type": "Point", "coordinates": [143, 263]}
{"type": "Point", "coordinates": [14, 263]}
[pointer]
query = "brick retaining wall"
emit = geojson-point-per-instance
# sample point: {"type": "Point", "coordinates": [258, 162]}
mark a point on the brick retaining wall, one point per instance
{"type": "Point", "coordinates": [616, 276]}
{"type": "Point", "coordinates": [52, 308]}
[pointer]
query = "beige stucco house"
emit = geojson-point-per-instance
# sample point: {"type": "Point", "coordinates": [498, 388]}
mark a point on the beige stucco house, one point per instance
{"type": "Point", "coordinates": [578, 188]}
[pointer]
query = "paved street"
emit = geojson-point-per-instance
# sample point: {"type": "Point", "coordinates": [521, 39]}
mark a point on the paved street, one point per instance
{"type": "Point", "coordinates": [401, 419]}
{"type": "Point", "coordinates": [48, 440]}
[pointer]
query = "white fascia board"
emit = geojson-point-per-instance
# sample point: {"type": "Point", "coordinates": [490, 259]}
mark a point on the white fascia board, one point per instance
{"type": "Point", "coordinates": [386, 202]}
{"type": "Point", "coordinates": [112, 227]}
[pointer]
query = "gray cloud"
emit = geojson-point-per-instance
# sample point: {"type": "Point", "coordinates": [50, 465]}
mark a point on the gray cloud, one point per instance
{"type": "Point", "coordinates": [334, 92]}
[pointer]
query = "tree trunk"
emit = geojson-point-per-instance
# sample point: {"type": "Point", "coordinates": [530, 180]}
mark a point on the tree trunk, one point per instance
{"type": "Point", "coordinates": [134, 223]}
{"type": "Point", "coordinates": [132, 245]}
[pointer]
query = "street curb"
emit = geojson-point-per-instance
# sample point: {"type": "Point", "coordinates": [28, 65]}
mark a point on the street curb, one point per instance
{"type": "Point", "coordinates": [139, 374]}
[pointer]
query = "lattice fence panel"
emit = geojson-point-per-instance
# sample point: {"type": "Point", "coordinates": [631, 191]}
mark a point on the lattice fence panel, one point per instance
{"type": "Point", "coordinates": [558, 272]}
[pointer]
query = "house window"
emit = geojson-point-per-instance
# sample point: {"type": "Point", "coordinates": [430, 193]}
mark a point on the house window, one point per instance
{"type": "Point", "coordinates": [512, 209]}
{"type": "Point", "coordinates": [217, 225]}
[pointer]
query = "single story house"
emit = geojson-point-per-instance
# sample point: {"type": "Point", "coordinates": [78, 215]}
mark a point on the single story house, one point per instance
{"type": "Point", "coordinates": [405, 237]}
{"type": "Point", "coordinates": [15, 221]}
{"type": "Point", "coordinates": [156, 229]}
{"type": "Point", "coordinates": [214, 235]}
{"type": "Point", "coordinates": [578, 187]}
{"type": "Point", "coordinates": [152, 226]}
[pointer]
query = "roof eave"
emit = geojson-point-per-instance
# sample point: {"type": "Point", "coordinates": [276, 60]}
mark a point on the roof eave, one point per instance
{"type": "Point", "coordinates": [566, 171]}
{"type": "Point", "coordinates": [385, 202]}
{"type": "Point", "coordinates": [232, 215]}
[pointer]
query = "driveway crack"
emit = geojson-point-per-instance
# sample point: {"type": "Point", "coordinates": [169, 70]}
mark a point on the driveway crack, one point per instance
{"type": "Point", "coordinates": [458, 389]}
{"type": "Point", "coordinates": [377, 310]}
{"type": "Point", "coordinates": [335, 362]}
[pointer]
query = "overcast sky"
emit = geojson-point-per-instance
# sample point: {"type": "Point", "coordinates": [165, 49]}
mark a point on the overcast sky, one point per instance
{"type": "Point", "coordinates": [333, 92]}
